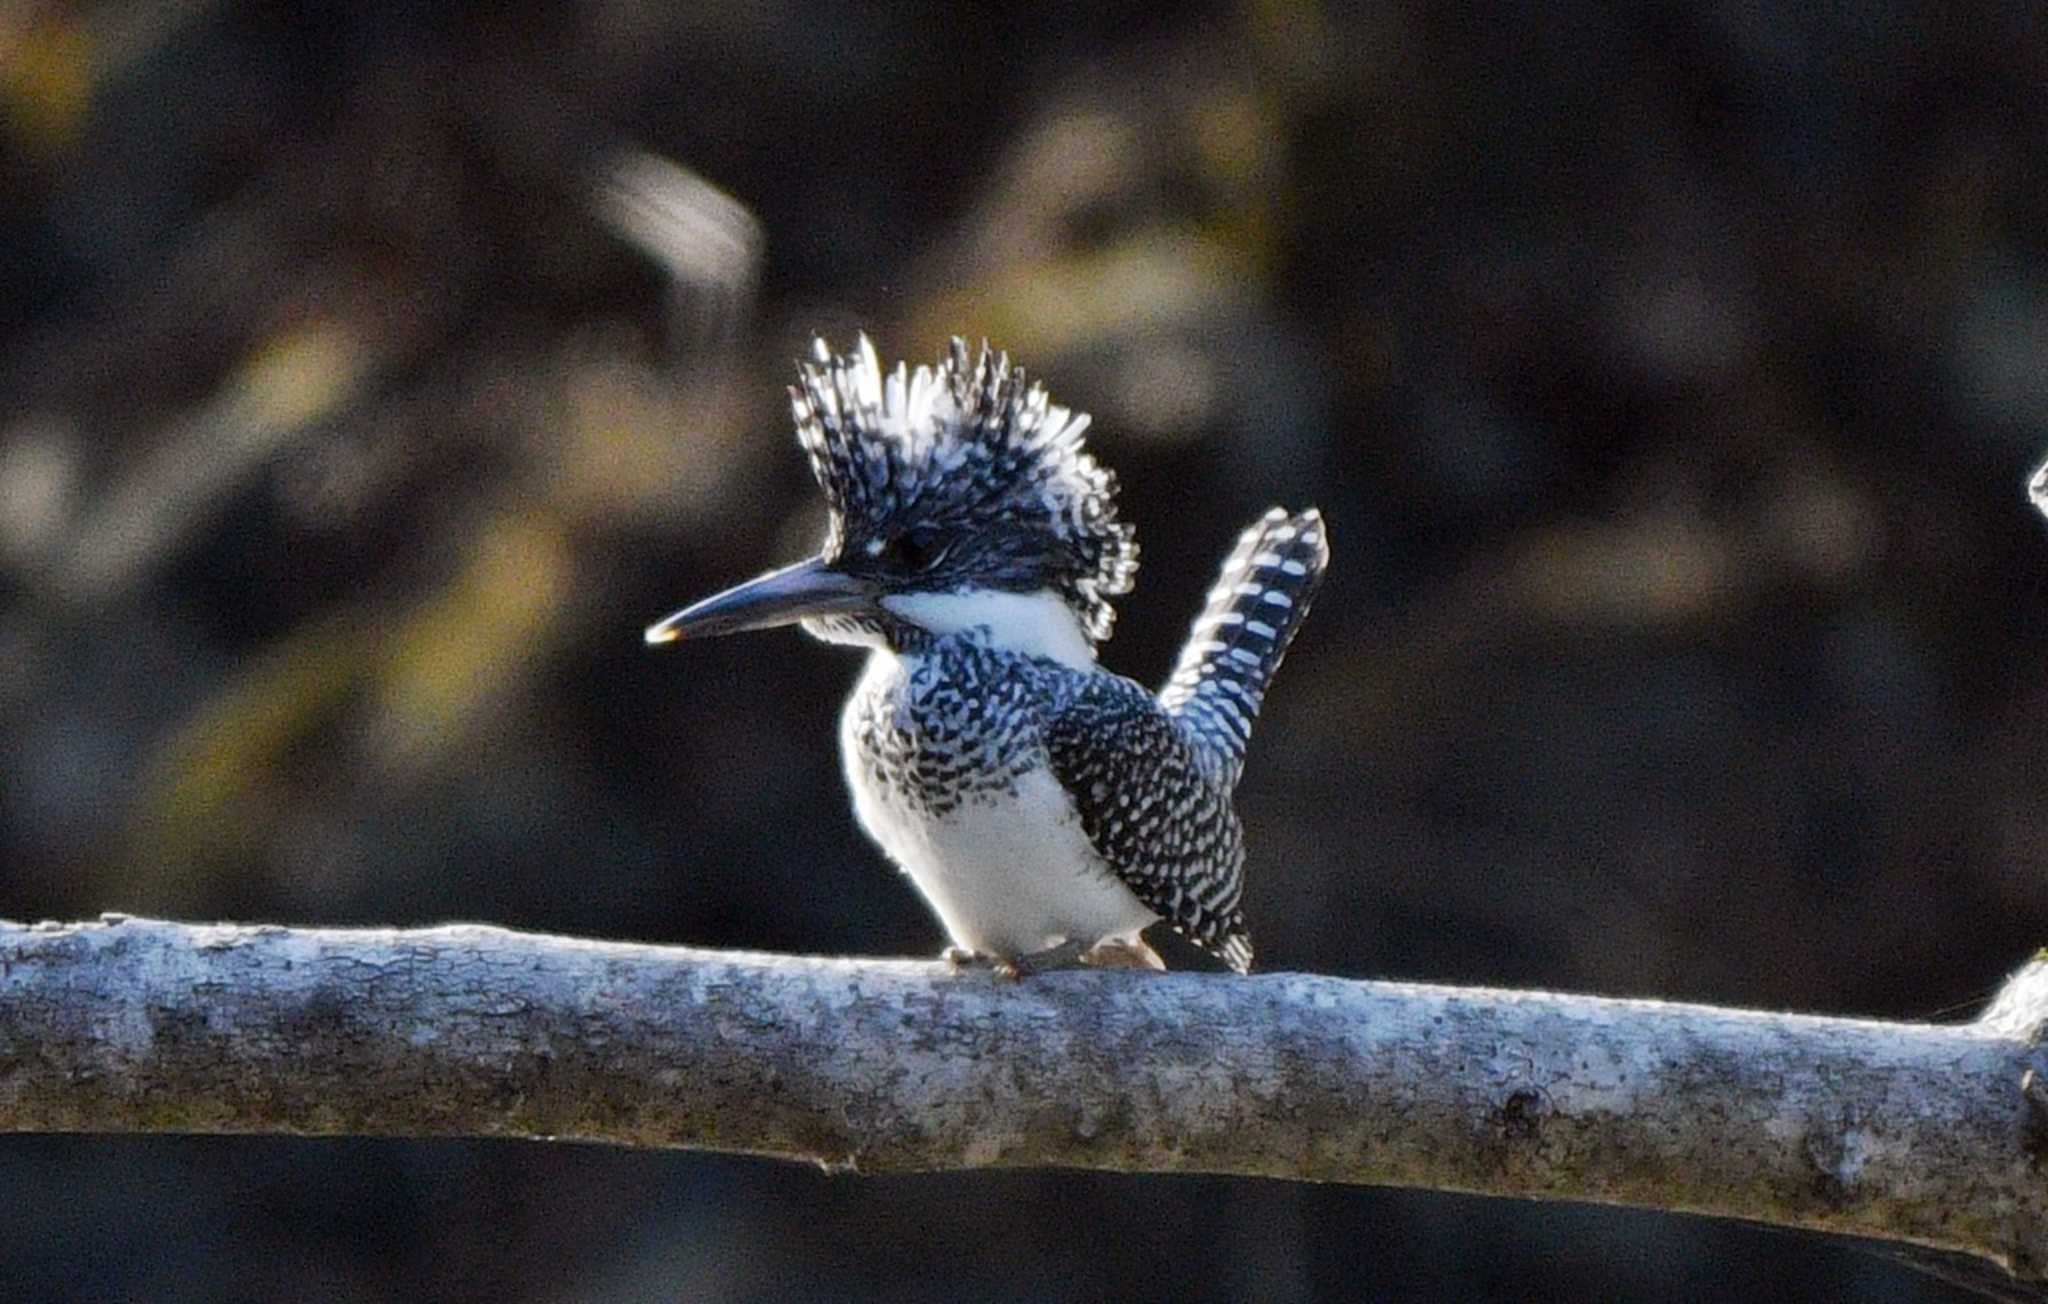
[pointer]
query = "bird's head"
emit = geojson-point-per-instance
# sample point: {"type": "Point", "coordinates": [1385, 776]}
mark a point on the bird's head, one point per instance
{"type": "Point", "coordinates": [960, 498]}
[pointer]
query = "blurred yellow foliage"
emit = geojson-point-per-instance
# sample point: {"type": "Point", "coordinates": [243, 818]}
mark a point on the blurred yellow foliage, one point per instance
{"type": "Point", "coordinates": [206, 793]}
{"type": "Point", "coordinates": [454, 652]}
{"type": "Point", "coordinates": [46, 83]}
{"type": "Point", "coordinates": [298, 374]}
{"type": "Point", "coordinates": [216, 787]}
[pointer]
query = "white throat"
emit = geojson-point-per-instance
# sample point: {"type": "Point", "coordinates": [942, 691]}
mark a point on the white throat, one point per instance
{"type": "Point", "coordinates": [1037, 624]}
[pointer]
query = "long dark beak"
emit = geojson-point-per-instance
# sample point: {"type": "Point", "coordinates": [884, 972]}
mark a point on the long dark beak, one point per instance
{"type": "Point", "coordinates": [783, 597]}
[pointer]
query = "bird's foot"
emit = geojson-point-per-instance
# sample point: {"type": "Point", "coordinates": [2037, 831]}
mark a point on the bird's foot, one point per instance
{"type": "Point", "coordinates": [1110, 953]}
{"type": "Point", "coordinates": [1066, 955]}
{"type": "Point", "coordinates": [959, 957]}
{"type": "Point", "coordinates": [1122, 953]}
{"type": "Point", "coordinates": [1002, 966]}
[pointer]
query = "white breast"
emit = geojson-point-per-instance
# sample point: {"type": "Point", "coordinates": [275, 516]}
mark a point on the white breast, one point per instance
{"type": "Point", "coordinates": [1008, 872]}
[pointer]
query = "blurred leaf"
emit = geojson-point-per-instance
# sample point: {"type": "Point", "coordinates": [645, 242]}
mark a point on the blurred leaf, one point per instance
{"type": "Point", "coordinates": [46, 83]}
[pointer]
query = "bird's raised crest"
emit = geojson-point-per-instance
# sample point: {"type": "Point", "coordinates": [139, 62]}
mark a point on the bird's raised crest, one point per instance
{"type": "Point", "coordinates": [969, 443]}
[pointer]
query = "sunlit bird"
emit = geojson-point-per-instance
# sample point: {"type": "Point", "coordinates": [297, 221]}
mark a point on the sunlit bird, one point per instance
{"type": "Point", "coordinates": [1047, 809]}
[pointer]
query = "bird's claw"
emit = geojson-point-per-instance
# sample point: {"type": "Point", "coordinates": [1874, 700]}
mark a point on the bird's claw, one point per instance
{"type": "Point", "coordinates": [1110, 953]}
{"type": "Point", "coordinates": [1066, 955]}
{"type": "Point", "coordinates": [1122, 953]}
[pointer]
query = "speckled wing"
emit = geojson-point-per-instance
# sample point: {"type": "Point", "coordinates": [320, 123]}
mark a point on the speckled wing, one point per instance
{"type": "Point", "coordinates": [1152, 811]}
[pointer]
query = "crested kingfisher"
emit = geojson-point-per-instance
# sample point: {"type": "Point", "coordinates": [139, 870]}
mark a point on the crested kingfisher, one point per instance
{"type": "Point", "coordinates": [1047, 809]}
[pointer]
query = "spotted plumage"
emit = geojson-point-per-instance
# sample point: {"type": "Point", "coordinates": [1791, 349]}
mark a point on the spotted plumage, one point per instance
{"type": "Point", "coordinates": [1154, 811]}
{"type": "Point", "coordinates": [1039, 802]}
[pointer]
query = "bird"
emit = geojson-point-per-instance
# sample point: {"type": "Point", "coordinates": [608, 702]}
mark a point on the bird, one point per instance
{"type": "Point", "coordinates": [1047, 809]}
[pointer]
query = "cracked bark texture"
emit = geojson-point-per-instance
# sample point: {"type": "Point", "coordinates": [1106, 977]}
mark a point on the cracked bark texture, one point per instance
{"type": "Point", "coordinates": [1925, 1135]}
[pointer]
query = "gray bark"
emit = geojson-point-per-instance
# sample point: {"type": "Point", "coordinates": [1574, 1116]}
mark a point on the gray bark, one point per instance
{"type": "Point", "coordinates": [1917, 1134]}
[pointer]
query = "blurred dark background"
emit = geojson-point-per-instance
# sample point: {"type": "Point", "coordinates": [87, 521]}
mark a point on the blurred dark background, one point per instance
{"type": "Point", "coordinates": [370, 375]}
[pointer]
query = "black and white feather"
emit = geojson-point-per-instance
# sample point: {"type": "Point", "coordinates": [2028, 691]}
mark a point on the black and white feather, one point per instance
{"type": "Point", "coordinates": [1262, 594]}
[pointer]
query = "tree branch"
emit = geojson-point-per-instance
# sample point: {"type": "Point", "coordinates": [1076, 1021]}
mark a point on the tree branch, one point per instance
{"type": "Point", "coordinates": [1907, 1133]}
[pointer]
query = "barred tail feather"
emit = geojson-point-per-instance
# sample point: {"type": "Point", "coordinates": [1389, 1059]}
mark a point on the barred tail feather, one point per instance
{"type": "Point", "coordinates": [1261, 596]}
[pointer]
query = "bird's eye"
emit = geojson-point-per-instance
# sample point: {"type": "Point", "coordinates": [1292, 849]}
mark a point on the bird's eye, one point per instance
{"type": "Point", "coordinates": [917, 549]}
